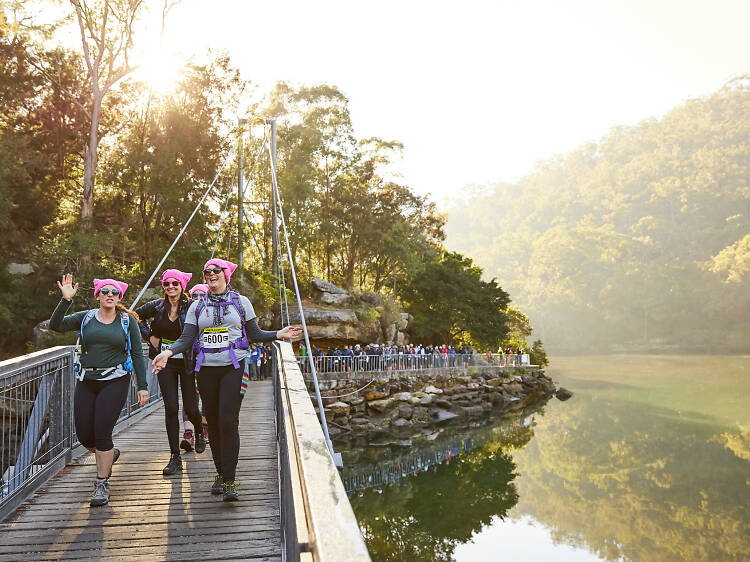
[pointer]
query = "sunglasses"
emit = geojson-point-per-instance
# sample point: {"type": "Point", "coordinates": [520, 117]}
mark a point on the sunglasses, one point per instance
{"type": "Point", "coordinates": [172, 283]}
{"type": "Point", "coordinates": [211, 270]}
{"type": "Point", "coordinates": [197, 296]}
{"type": "Point", "coordinates": [106, 292]}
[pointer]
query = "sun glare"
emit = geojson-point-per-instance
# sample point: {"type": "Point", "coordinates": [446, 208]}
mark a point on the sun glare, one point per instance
{"type": "Point", "coordinates": [161, 71]}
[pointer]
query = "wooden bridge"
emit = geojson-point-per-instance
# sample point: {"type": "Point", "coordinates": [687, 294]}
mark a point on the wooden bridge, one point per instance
{"type": "Point", "coordinates": [292, 502]}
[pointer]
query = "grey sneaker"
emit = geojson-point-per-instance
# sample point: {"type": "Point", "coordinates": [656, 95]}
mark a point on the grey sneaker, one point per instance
{"type": "Point", "coordinates": [218, 486]}
{"type": "Point", "coordinates": [230, 491]}
{"type": "Point", "coordinates": [101, 493]}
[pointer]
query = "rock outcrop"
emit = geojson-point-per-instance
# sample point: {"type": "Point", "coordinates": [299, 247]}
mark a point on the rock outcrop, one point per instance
{"type": "Point", "coordinates": [336, 315]}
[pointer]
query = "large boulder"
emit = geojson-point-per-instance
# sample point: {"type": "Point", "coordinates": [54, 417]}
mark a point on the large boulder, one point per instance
{"type": "Point", "coordinates": [372, 298]}
{"type": "Point", "coordinates": [325, 287]}
{"type": "Point", "coordinates": [335, 299]}
{"type": "Point", "coordinates": [404, 320]}
{"type": "Point", "coordinates": [563, 394]}
{"type": "Point", "coordinates": [20, 268]}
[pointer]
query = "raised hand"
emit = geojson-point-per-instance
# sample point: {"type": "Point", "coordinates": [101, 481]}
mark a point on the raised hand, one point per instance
{"type": "Point", "coordinates": [290, 333]}
{"type": "Point", "coordinates": [67, 288]}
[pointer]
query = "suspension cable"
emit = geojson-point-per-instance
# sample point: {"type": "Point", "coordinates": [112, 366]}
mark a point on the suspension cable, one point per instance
{"type": "Point", "coordinates": [184, 227]}
{"type": "Point", "coordinates": [335, 456]}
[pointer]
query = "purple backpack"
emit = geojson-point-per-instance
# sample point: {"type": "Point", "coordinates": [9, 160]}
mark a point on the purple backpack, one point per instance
{"type": "Point", "coordinates": [241, 343]}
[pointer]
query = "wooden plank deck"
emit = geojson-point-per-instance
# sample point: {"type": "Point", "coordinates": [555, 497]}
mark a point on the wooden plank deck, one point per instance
{"type": "Point", "coordinates": [156, 517]}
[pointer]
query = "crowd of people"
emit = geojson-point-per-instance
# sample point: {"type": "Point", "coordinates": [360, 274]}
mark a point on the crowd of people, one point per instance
{"type": "Point", "coordinates": [393, 357]}
{"type": "Point", "coordinates": [384, 357]}
{"type": "Point", "coordinates": [200, 345]}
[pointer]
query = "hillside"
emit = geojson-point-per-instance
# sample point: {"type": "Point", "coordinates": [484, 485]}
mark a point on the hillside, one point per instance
{"type": "Point", "coordinates": [638, 241]}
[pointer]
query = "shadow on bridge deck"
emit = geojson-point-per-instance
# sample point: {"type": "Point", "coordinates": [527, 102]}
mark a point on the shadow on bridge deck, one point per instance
{"type": "Point", "coordinates": [151, 516]}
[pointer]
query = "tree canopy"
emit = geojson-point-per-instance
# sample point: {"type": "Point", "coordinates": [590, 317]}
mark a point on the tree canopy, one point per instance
{"type": "Point", "coordinates": [100, 185]}
{"type": "Point", "coordinates": [637, 241]}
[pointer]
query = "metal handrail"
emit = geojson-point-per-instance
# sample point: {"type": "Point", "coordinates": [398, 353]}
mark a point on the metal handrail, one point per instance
{"type": "Point", "coordinates": [326, 364]}
{"type": "Point", "coordinates": [37, 434]}
{"type": "Point", "coordinates": [318, 523]}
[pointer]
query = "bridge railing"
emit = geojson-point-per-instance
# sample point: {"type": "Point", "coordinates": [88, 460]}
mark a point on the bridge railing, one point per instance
{"type": "Point", "coordinates": [326, 364]}
{"type": "Point", "coordinates": [37, 434]}
{"type": "Point", "coordinates": [318, 523]}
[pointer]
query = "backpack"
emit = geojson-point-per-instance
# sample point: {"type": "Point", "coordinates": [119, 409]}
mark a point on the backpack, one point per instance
{"type": "Point", "coordinates": [127, 365]}
{"type": "Point", "coordinates": [241, 343]}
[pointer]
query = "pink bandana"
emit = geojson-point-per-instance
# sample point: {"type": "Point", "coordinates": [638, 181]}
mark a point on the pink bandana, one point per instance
{"type": "Point", "coordinates": [183, 278]}
{"type": "Point", "coordinates": [200, 287]}
{"type": "Point", "coordinates": [99, 283]}
{"type": "Point", "coordinates": [227, 266]}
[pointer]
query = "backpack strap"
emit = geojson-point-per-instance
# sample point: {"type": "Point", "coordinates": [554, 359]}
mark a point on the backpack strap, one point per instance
{"type": "Point", "coordinates": [86, 319]}
{"type": "Point", "coordinates": [125, 322]}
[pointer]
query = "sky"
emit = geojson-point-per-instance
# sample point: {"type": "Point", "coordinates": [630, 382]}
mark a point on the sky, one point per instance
{"type": "Point", "coordinates": [478, 91]}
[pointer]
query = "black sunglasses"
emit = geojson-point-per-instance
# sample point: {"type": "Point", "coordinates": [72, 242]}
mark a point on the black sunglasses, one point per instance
{"type": "Point", "coordinates": [211, 270]}
{"type": "Point", "coordinates": [196, 296]}
{"type": "Point", "coordinates": [173, 283]}
{"type": "Point", "coordinates": [106, 292]}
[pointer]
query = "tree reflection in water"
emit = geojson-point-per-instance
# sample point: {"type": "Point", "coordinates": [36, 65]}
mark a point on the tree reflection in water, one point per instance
{"type": "Point", "coordinates": [425, 516]}
{"type": "Point", "coordinates": [632, 481]}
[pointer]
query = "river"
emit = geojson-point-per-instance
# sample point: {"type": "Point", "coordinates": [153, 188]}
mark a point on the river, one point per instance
{"type": "Point", "coordinates": [649, 460]}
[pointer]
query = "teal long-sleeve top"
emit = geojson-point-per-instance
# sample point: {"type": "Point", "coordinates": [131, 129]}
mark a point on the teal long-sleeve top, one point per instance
{"type": "Point", "coordinates": [104, 343]}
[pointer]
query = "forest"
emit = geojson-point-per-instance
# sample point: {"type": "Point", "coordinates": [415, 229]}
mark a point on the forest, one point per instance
{"type": "Point", "coordinates": [100, 170]}
{"type": "Point", "coordinates": [639, 242]}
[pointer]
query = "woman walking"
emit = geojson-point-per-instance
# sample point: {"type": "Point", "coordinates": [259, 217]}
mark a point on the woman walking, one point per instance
{"type": "Point", "coordinates": [167, 319]}
{"type": "Point", "coordinates": [222, 326]}
{"type": "Point", "coordinates": [108, 357]}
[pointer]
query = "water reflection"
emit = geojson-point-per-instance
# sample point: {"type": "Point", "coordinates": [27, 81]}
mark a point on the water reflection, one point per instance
{"type": "Point", "coordinates": [637, 482]}
{"type": "Point", "coordinates": [608, 474]}
{"type": "Point", "coordinates": [435, 494]}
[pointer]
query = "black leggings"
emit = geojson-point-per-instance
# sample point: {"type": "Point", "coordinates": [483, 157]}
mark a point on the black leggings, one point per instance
{"type": "Point", "coordinates": [168, 382]}
{"type": "Point", "coordinates": [96, 408]}
{"type": "Point", "coordinates": [220, 392]}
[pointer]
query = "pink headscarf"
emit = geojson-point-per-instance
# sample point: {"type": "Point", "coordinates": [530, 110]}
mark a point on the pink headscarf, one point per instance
{"type": "Point", "coordinates": [200, 287]}
{"type": "Point", "coordinates": [180, 276]}
{"type": "Point", "coordinates": [99, 283]}
{"type": "Point", "coordinates": [227, 266]}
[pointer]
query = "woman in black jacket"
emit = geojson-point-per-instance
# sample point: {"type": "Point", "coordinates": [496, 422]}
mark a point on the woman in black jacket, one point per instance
{"type": "Point", "coordinates": [167, 320]}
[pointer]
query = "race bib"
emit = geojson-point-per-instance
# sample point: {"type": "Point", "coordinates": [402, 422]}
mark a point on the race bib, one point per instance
{"type": "Point", "coordinates": [165, 343]}
{"type": "Point", "coordinates": [214, 338]}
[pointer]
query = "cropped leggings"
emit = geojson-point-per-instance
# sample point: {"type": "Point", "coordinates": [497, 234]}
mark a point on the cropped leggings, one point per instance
{"type": "Point", "coordinates": [96, 408]}
{"type": "Point", "coordinates": [171, 378]}
{"type": "Point", "coordinates": [220, 393]}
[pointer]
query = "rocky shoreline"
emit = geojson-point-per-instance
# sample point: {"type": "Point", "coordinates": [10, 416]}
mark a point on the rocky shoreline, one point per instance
{"type": "Point", "coordinates": [403, 399]}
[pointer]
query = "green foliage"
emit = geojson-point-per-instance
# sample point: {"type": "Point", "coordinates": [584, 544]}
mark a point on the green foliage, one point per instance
{"type": "Point", "coordinates": [349, 220]}
{"type": "Point", "coordinates": [639, 241]}
{"type": "Point", "coordinates": [451, 303]}
{"type": "Point", "coordinates": [537, 355]}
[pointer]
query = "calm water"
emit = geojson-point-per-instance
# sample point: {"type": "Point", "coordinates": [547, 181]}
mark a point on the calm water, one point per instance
{"type": "Point", "coordinates": [650, 460]}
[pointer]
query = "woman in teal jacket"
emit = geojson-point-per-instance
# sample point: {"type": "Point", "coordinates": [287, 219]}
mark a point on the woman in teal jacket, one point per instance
{"type": "Point", "coordinates": [111, 351]}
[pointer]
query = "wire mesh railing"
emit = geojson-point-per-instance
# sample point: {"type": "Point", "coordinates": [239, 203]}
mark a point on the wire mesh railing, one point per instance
{"type": "Point", "coordinates": [37, 433]}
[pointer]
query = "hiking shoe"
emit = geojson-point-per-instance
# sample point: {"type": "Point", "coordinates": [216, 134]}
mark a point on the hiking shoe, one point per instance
{"type": "Point", "coordinates": [115, 456]}
{"type": "Point", "coordinates": [175, 464]}
{"type": "Point", "coordinates": [187, 440]}
{"type": "Point", "coordinates": [230, 492]}
{"type": "Point", "coordinates": [101, 492]}
{"type": "Point", "coordinates": [218, 485]}
{"type": "Point", "coordinates": [200, 443]}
